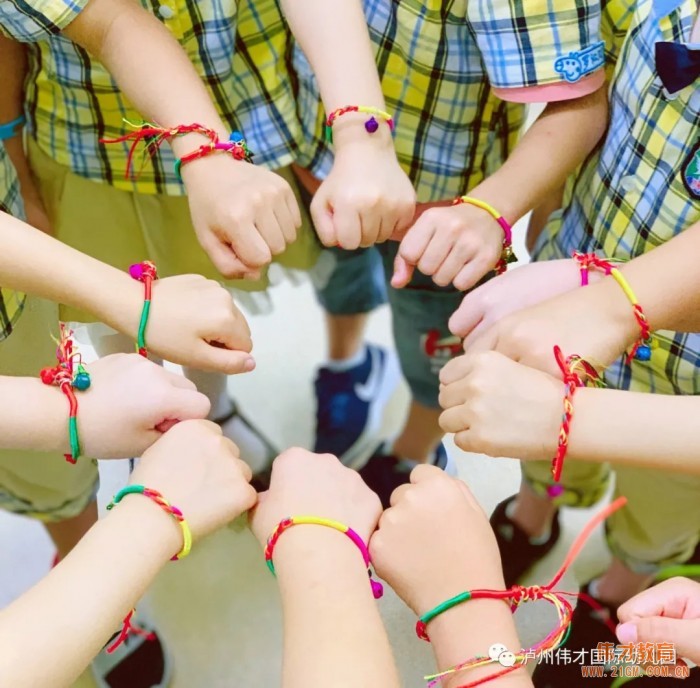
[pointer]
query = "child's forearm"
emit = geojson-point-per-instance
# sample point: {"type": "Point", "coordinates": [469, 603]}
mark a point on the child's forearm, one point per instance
{"type": "Point", "coordinates": [333, 632]}
{"type": "Point", "coordinates": [666, 282]}
{"type": "Point", "coordinates": [557, 143]}
{"type": "Point", "coordinates": [34, 263]}
{"type": "Point", "coordinates": [647, 430]}
{"type": "Point", "coordinates": [147, 63]}
{"type": "Point", "coordinates": [468, 631]}
{"type": "Point", "coordinates": [335, 40]}
{"type": "Point", "coordinates": [32, 415]}
{"type": "Point", "coordinates": [64, 621]}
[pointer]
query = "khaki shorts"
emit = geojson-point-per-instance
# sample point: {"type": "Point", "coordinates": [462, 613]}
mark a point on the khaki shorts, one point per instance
{"type": "Point", "coordinates": [122, 228]}
{"type": "Point", "coordinates": [36, 484]}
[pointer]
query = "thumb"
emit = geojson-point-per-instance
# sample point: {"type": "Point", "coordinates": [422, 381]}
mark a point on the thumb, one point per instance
{"type": "Point", "coordinates": [225, 259]}
{"type": "Point", "coordinates": [482, 341]}
{"type": "Point", "coordinates": [684, 634]}
{"type": "Point", "coordinates": [322, 216]}
{"type": "Point", "coordinates": [185, 404]}
{"type": "Point", "coordinates": [465, 319]}
{"type": "Point", "coordinates": [220, 360]}
{"type": "Point", "coordinates": [403, 272]}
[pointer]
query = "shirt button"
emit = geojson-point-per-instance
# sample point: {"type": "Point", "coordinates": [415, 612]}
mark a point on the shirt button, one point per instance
{"type": "Point", "coordinates": [166, 12]}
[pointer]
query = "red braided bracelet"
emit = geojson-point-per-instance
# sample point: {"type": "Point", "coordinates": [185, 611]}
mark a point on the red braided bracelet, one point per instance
{"type": "Point", "coordinates": [154, 136]}
{"type": "Point", "coordinates": [236, 147]}
{"type": "Point", "coordinates": [570, 369]}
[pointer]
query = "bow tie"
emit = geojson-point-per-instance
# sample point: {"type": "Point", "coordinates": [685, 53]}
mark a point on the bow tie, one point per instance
{"type": "Point", "coordinates": [677, 65]}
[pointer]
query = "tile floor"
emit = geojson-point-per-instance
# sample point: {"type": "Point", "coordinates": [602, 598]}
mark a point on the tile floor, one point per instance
{"type": "Point", "coordinates": [219, 609]}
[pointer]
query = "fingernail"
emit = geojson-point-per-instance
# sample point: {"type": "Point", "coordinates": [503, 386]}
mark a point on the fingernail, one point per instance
{"type": "Point", "coordinates": [627, 633]}
{"type": "Point", "coordinates": [249, 364]}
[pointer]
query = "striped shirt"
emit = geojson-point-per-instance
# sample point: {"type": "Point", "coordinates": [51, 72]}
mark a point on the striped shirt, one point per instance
{"type": "Point", "coordinates": [643, 187]}
{"type": "Point", "coordinates": [240, 49]}
{"type": "Point", "coordinates": [11, 302]}
{"type": "Point", "coordinates": [440, 61]}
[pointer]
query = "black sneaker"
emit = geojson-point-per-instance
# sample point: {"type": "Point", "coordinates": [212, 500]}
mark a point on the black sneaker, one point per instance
{"type": "Point", "coordinates": [141, 661]}
{"type": "Point", "coordinates": [589, 628]}
{"type": "Point", "coordinates": [518, 554]}
{"type": "Point", "coordinates": [384, 472]}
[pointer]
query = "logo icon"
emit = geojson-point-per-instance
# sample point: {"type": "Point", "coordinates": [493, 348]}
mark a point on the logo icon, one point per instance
{"type": "Point", "coordinates": [367, 391]}
{"type": "Point", "coordinates": [574, 66]}
{"type": "Point", "coordinates": [501, 654]}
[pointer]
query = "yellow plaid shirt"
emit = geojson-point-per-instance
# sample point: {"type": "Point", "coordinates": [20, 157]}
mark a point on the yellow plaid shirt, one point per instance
{"type": "Point", "coordinates": [643, 187]}
{"type": "Point", "coordinates": [11, 302]}
{"type": "Point", "coordinates": [239, 49]}
{"type": "Point", "coordinates": [439, 60]}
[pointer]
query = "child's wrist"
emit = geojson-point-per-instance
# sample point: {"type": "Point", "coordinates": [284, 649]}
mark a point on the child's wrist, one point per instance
{"type": "Point", "coordinates": [349, 134]}
{"type": "Point", "coordinates": [160, 528]}
{"type": "Point", "coordinates": [156, 530]}
{"type": "Point", "coordinates": [311, 552]}
{"type": "Point", "coordinates": [52, 415]}
{"type": "Point", "coordinates": [119, 302]}
{"type": "Point", "coordinates": [616, 308]}
{"type": "Point", "coordinates": [449, 586]}
{"type": "Point", "coordinates": [492, 192]}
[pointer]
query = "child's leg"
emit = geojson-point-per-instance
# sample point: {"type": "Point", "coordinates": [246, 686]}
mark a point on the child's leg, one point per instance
{"type": "Point", "coordinates": [67, 533]}
{"type": "Point", "coordinates": [420, 435]}
{"type": "Point", "coordinates": [346, 335]}
{"type": "Point", "coordinates": [660, 526]}
{"type": "Point", "coordinates": [420, 313]}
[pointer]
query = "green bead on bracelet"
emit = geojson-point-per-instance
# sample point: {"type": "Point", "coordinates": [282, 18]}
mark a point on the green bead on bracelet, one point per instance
{"type": "Point", "coordinates": [423, 621]}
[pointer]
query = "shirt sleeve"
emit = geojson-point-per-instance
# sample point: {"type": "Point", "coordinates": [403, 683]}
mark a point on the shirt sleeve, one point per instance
{"type": "Point", "coordinates": [29, 21]}
{"type": "Point", "coordinates": [536, 43]}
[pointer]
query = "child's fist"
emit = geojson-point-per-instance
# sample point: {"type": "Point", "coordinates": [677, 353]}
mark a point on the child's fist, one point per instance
{"type": "Point", "coordinates": [197, 470]}
{"type": "Point", "coordinates": [304, 483]}
{"type": "Point", "coordinates": [456, 245]}
{"type": "Point", "coordinates": [130, 403]}
{"type": "Point", "coordinates": [439, 515]}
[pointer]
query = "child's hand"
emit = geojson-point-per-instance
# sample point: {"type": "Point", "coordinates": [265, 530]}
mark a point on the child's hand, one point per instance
{"type": "Point", "coordinates": [501, 408]}
{"type": "Point", "coordinates": [193, 322]}
{"type": "Point", "coordinates": [365, 199]}
{"type": "Point", "coordinates": [435, 525]}
{"type": "Point", "coordinates": [598, 325]}
{"type": "Point", "coordinates": [666, 613]}
{"type": "Point", "coordinates": [131, 402]}
{"type": "Point", "coordinates": [315, 485]}
{"type": "Point", "coordinates": [514, 290]}
{"type": "Point", "coordinates": [197, 469]}
{"type": "Point", "coordinates": [458, 244]}
{"type": "Point", "coordinates": [243, 215]}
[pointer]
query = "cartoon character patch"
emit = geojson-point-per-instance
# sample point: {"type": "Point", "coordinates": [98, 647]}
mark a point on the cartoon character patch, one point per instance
{"type": "Point", "coordinates": [440, 349]}
{"type": "Point", "coordinates": [580, 63]}
{"type": "Point", "coordinates": [691, 172]}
